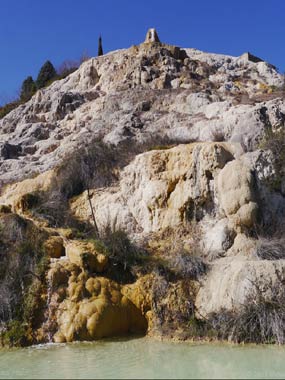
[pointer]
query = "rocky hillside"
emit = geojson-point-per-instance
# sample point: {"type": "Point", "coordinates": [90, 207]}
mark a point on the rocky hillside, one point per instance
{"type": "Point", "coordinates": [145, 193]}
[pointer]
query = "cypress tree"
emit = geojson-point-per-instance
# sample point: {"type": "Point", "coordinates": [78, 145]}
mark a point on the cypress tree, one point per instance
{"type": "Point", "coordinates": [28, 89]}
{"type": "Point", "coordinates": [46, 74]}
{"type": "Point", "coordinates": [100, 48]}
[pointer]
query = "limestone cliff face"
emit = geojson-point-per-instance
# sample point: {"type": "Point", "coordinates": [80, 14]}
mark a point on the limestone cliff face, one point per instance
{"type": "Point", "coordinates": [166, 188]}
{"type": "Point", "coordinates": [84, 151]}
{"type": "Point", "coordinates": [131, 94]}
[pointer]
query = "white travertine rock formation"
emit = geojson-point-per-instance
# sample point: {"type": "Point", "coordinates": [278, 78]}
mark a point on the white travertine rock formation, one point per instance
{"type": "Point", "coordinates": [214, 109]}
{"type": "Point", "coordinates": [130, 94]}
{"type": "Point", "coordinates": [236, 192]}
{"type": "Point", "coordinates": [232, 282]}
{"type": "Point", "coordinates": [165, 188]}
{"type": "Point", "coordinates": [161, 189]}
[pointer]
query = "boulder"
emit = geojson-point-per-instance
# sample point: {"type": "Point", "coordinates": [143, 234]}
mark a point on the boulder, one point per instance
{"type": "Point", "coordinates": [218, 239]}
{"type": "Point", "coordinates": [68, 103]}
{"type": "Point", "coordinates": [234, 281]}
{"type": "Point", "coordinates": [59, 273]}
{"type": "Point", "coordinates": [85, 256]}
{"type": "Point", "coordinates": [104, 312]}
{"type": "Point", "coordinates": [54, 247]}
{"type": "Point", "coordinates": [237, 193]}
{"type": "Point", "coordinates": [15, 193]}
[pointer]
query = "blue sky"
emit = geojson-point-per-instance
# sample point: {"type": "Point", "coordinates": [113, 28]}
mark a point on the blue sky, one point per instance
{"type": "Point", "coordinates": [32, 31]}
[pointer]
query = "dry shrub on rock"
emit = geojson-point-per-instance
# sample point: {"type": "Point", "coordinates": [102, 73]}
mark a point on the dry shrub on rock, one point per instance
{"type": "Point", "coordinates": [271, 248]}
{"type": "Point", "coordinates": [259, 321]}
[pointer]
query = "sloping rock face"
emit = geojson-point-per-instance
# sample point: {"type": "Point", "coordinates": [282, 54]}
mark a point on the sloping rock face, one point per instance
{"type": "Point", "coordinates": [233, 281]}
{"type": "Point", "coordinates": [167, 188]}
{"type": "Point", "coordinates": [187, 180]}
{"type": "Point", "coordinates": [134, 93]}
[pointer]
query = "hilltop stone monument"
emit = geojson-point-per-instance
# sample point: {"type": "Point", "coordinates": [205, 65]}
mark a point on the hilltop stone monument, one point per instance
{"type": "Point", "coordinates": [151, 36]}
{"type": "Point", "coordinates": [248, 57]}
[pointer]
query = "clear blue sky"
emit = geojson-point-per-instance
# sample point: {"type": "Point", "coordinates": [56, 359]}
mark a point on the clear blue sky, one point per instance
{"type": "Point", "coordinates": [32, 31]}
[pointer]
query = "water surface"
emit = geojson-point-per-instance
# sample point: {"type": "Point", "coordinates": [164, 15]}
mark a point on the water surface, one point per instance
{"type": "Point", "coordinates": [143, 358]}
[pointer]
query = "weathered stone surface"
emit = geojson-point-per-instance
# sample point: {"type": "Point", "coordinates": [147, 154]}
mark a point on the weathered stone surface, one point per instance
{"type": "Point", "coordinates": [218, 238]}
{"type": "Point", "coordinates": [13, 194]}
{"type": "Point", "coordinates": [161, 189]}
{"type": "Point", "coordinates": [232, 282]}
{"type": "Point", "coordinates": [85, 255]}
{"type": "Point", "coordinates": [226, 64]}
{"type": "Point", "coordinates": [59, 272]}
{"type": "Point", "coordinates": [99, 98]}
{"type": "Point", "coordinates": [237, 193]}
{"type": "Point", "coordinates": [235, 190]}
{"type": "Point", "coordinates": [54, 247]}
{"type": "Point", "coordinates": [216, 183]}
{"type": "Point", "coordinates": [242, 246]}
{"type": "Point", "coordinates": [102, 312]}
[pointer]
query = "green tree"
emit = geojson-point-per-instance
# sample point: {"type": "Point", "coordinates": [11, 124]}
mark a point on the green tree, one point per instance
{"type": "Point", "coordinates": [46, 74]}
{"type": "Point", "coordinates": [28, 89]}
{"type": "Point", "coordinates": [100, 47]}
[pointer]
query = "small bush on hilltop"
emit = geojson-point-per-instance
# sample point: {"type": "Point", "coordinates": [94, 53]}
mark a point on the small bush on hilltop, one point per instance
{"type": "Point", "coordinates": [67, 67]}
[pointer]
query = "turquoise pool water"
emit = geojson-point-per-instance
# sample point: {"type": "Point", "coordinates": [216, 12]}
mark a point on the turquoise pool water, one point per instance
{"type": "Point", "coordinates": [143, 358]}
